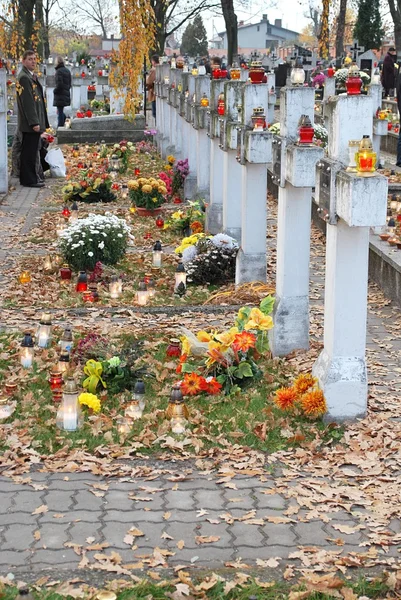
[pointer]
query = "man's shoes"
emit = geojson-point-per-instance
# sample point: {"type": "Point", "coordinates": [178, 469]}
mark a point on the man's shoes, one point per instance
{"type": "Point", "coordinates": [398, 164]}
{"type": "Point", "coordinates": [35, 185]}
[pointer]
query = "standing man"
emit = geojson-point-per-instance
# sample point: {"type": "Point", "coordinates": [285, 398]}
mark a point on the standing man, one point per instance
{"type": "Point", "coordinates": [150, 84]}
{"type": "Point", "coordinates": [388, 72]}
{"type": "Point", "coordinates": [32, 118]}
{"type": "Point", "coordinates": [62, 94]}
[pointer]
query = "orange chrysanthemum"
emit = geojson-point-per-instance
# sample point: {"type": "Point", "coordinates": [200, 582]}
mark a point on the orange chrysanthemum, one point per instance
{"type": "Point", "coordinates": [285, 398]}
{"type": "Point", "coordinates": [192, 384]}
{"type": "Point", "coordinates": [303, 383]}
{"type": "Point", "coordinates": [313, 403]}
{"type": "Point", "coordinates": [196, 227]}
{"type": "Point", "coordinates": [243, 341]}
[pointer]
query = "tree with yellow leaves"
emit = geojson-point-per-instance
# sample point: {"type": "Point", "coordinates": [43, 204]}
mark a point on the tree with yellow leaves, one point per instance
{"type": "Point", "coordinates": [138, 34]}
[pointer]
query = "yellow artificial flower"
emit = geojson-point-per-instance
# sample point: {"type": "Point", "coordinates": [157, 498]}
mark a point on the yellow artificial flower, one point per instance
{"type": "Point", "coordinates": [132, 209]}
{"type": "Point", "coordinates": [177, 215]}
{"type": "Point", "coordinates": [227, 337]}
{"type": "Point", "coordinates": [185, 346]}
{"type": "Point", "coordinates": [171, 159]}
{"type": "Point", "coordinates": [204, 336]}
{"type": "Point", "coordinates": [215, 353]}
{"type": "Point", "coordinates": [90, 400]}
{"type": "Point", "coordinates": [154, 199]}
{"type": "Point", "coordinates": [258, 320]}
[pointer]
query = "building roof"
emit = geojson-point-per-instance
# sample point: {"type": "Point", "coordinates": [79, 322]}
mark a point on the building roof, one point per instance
{"type": "Point", "coordinates": [296, 33]}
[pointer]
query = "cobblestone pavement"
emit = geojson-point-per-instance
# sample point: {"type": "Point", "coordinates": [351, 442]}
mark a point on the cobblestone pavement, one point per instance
{"type": "Point", "coordinates": [73, 520]}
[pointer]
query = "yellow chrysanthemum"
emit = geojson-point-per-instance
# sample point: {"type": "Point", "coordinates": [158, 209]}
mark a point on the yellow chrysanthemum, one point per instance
{"type": "Point", "coordinates": [147, 188]}
{"type": "Point", "coordinates": [90, 400]}
{"type": "Point", "coordinates": [258, 320]}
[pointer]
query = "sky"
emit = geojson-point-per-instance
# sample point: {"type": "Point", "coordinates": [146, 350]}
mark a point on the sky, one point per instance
{"type": "Point", "coordinates": [291, 12]}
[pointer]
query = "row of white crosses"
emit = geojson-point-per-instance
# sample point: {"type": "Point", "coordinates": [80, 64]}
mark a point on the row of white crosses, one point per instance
{"type": "Point", "coordinates": [3, 133]}
{"type": "Point", "coordinates": [230, 171]}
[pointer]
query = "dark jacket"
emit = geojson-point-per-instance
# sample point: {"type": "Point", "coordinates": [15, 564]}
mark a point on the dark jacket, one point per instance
{"type": "Point", "coordinates": [388, 72]}
{"type": "Point", "coordinates": [61, 94]}
{"type": "Point", "coordinates": [31, 103]}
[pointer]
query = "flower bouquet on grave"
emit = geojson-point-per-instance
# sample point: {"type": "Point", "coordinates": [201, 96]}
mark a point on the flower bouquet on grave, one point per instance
{"type": "Point", "coordinates": [230, 357]}
{"type": "Point", "coordinates": [92, 187]}
{"type": "Point", "coordinates": [320, 136]}
{"type": "Point", "coordinates": [209, 260]}
{"type": "Point", "coordinates": [96, 238]}
{"type": "Point", "coordinates": [180, 173]}
{"type": "Point", "coordinates": [123, 152]}
{"type": "Point", "coordinates": [304, 397]}
{"type": "Point", "coordinates": [190, 220]}
{"type": "Point", "coordinates": [147, 195]}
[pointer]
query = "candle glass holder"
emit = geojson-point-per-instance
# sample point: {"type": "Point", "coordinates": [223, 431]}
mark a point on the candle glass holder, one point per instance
{"type": "Point", "coordinates": [365, 157]}
{"type": "Point", "coordinates": [69, 415]}
{"type": "Point", "coordinates": [27, 351]}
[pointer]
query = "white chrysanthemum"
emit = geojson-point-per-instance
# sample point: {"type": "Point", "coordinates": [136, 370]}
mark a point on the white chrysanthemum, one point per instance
{"type": "Point", "coordinates": [189, 254]}
{"type": "Point", "coordinates": [90, 253]}
{"type": "Point", "coordinates": [221, 240]}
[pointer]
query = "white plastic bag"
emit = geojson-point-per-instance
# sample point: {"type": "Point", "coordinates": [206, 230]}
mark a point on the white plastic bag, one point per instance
{"type": "Point", "coordinates": [55, 160]}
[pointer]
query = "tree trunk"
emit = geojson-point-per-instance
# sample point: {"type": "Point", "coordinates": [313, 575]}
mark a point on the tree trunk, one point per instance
{"type": "Point", "coordinates": [324, 31]}
{"type": "Point", "coordinates": [341, 28]}
{"type": "Point", "coordinates": [26, 21]}
{"type": "Point", "coordinates": [230, 19]}
{"type": "Point", "coordinates": [41, 29]}
{"type": "Point", "coordinates": [396, 16]}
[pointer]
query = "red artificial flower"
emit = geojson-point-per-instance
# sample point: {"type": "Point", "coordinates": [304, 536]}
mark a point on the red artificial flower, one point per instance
{"type": "Point", "coordinates": [115, 186]}
{"type": "Point", "coordinates": [192, 384]}
{"type": "Point", "coordinates": [213, 387]}
{"type": "Point", "coordinates": [183, 359]}
{"type": "Point", "coordinates": [243, 341]}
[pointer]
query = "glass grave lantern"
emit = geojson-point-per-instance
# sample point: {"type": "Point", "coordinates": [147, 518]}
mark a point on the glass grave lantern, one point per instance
{"type": "Point", "coordinates": [25, 277]}
{"type": "Point", "coordinates": [353, 146]}
{"type": "Point", "coordinates": [157, 254]}
{"type": "Point", "coordinates": [44, 331]}
{"type": "Point", "coordinates": [220, 105]}
{"type": "Point", "coordinates": [69, 415]}
{"type": "Point", "coordinates": [305, 130]}
{"type": "Point", "coordinates": [256, 72]}
{"type": "Point", "coordinates": [258, 118]}
{"type": "Point", "coordinates": [297, 75]}
{"type": "Point", "coordinates": [354, 81]}
{"type": "Point", "coordinates": [115, 287]}
{"type": "Point", "coordinates": [65, 273]}
{"type": "Point", "coordinates": [180, 276]}
{"type": "Point", "coordinates": [235, 72]}
{"type": "Point", "coordinates": [365, 157]}
{"type": "Point", "coordinates": [139, 393]}
{"type": "Point", "coordinates": [82, 283]}
{"type": "Point", "coordinates": [174, 348]}
{"type": "Point", "coordinates": [204, 101]}
{"type": "Point", "coordinates": [74, 212]}
{"type": "Point", "coordinates": [63, 361]}
{"type": "Point", "coordinates": [142, 294]}
{"type": "Point", "coordinates": [26, 351]}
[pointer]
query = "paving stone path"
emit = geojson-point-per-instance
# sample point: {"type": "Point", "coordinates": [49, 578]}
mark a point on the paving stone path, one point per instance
{"type": "Point", "coordinates": [76, 521]}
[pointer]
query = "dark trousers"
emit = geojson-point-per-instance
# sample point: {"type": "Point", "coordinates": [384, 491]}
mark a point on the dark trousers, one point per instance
{"type": "Point", "coordinates": [60, 116]}
{"type": "Point", "coordinates": [399, 137]}
{"type": "Point", "coordinates": [154, 109]}
{"type": "Point", "coordinates": [29, 153]}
